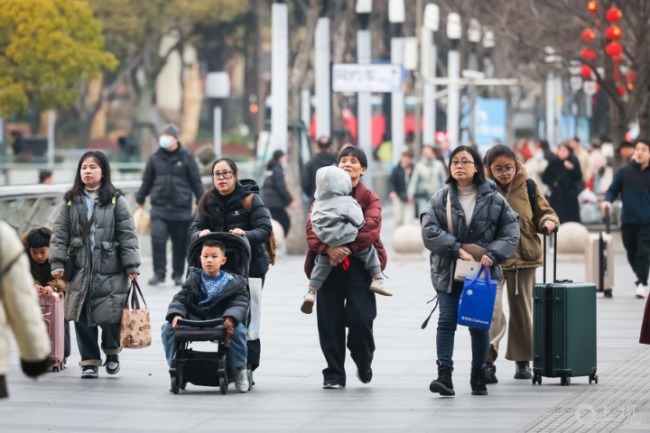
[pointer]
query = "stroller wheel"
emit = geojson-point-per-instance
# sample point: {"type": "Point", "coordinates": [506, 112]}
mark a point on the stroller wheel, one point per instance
{"type": "Point", "coordinates": [223, 385]}
{"type": "Point", "coordinates": [174, 385]}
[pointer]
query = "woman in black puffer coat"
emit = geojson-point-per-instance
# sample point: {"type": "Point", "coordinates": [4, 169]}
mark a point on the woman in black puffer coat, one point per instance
{"type": "Point", "coordinates": [221, 209]}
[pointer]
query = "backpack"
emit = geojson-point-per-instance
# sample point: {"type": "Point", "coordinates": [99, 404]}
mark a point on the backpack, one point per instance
{"type": "Point", "coordinates": [270, 244]}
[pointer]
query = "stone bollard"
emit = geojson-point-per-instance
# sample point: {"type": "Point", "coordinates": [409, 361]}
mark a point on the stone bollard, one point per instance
{"type": "Point", "coordinates": [407, 242]}
{"type": "Point", "coordinates": [278, 231]}
{"type": "Point", "coordinates": [571, 241]}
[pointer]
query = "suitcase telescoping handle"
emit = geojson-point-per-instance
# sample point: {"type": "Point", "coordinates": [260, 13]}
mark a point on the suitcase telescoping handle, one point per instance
{"type": "Point", "coordinates": [554, 257]}
{"type": "Point", "coordinates": [607, 221]}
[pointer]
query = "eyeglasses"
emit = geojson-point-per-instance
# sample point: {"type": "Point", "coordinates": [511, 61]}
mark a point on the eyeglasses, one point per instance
{"type": "Point", "coordinates": [462, 162]}
{"type": "Point", "coordinates": [223, 174]}
{"type": "Point", "coordinates": [507, 170]}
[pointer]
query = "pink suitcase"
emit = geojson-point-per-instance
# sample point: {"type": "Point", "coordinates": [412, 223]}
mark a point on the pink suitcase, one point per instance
{"type": "Point", "coordinates": [52, 309]}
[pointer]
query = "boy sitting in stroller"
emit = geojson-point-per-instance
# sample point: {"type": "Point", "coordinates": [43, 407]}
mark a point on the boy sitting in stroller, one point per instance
{"type": "Point", "coordinates": [211, 293]}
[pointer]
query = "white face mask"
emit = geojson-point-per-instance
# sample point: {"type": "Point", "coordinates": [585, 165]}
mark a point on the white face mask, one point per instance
{"type": "Point", "coordinates": [165, 141]}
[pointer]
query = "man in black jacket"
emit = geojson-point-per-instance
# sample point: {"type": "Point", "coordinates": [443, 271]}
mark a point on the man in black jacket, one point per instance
{"type": "Point", "coordinates": [323, 158]}
{"type": "Point", "coordinates": [171, 177]}
{"type": "Point", "coordinates": [632, 182]}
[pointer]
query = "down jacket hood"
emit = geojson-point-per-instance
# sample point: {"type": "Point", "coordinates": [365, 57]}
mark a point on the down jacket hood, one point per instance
{"type": "Point", "coordinates": [332, 182]}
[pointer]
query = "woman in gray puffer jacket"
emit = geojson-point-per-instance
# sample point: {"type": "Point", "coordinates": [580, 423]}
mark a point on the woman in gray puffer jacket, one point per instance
{"type": "Point", "coordinates": [482, 220]}
{"type": "Point", "coordinates": [95, 229]}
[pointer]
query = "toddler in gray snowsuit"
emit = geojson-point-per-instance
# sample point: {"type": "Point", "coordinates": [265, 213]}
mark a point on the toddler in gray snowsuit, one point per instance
{"type": "Point", "coordinates": [336, 218]}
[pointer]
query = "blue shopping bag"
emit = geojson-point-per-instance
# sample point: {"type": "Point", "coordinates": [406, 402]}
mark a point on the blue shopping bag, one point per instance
{"type": "Point", "coordinates": [477, 300]}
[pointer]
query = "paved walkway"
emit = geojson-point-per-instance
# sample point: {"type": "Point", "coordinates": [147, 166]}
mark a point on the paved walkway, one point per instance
{"type": "Point", "coordinates": [288, 395]}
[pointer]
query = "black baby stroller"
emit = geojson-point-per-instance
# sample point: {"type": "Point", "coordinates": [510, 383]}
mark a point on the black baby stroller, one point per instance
{"type": "Point", "coordinates": [200, 367]}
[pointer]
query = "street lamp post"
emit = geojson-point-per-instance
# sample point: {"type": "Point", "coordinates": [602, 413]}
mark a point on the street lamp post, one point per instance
{"type": "Point", "coordinates": [474, 37]}
{"type": "Point", "coordinates": [551, 96]}
{"type": "Point", "coordinates": [453, 67]}
{"type": "Point", "coordinates": [428, 69]}
{"type": "Point", "coordinates": [364, 104]}
{"type": "Point", "coordinates": [279, 78]}
{"type": "Point", "coordinates": [396, 17]}
{"type": "Point", "coordinates": [323, 80]}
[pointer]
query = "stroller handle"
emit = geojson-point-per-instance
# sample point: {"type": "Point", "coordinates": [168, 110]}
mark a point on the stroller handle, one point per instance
{"type": "Point", "coordinates": [200, 323]}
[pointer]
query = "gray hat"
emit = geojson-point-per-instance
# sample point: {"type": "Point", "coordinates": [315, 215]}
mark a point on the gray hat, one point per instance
{"type": "Point", "coordinates": [170, 129]}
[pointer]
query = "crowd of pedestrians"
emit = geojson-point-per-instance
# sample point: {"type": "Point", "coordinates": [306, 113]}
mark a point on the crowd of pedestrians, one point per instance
{"type": "Point", "coordinates": [489, 210]}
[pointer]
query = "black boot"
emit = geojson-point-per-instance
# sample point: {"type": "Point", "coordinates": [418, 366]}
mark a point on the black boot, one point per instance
{"type": "Point", "coordinates": [477, 381]}
{"type": "Point", "coordinates": [523, 370]}
{"type": "Point", "coordinates": [491, 373]}
{"type": "Point", "coordinates": [442, 384]}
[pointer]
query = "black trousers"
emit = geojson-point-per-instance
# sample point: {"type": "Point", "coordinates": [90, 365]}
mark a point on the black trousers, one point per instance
{"type": "Point", "coordinates": [87, 340]}
{"type": "Point", "coordinates": [346, 301]}
{"type": "Point", "coordinates": [636, 240]}
{"type": "Point", "coordinates": [178, 231]}
{"type": "Point", "coordinates": [280, 215]}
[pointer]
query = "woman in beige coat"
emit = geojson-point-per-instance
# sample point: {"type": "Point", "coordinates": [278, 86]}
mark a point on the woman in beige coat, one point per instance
{"type": "Point", "coordinates": [19, 309]}
{"type": "Point", "coordinates": [535, 216]}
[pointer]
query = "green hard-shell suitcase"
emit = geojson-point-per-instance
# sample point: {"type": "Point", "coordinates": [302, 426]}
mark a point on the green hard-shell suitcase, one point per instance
{"type": "Point", "coordinates": [564, 328]}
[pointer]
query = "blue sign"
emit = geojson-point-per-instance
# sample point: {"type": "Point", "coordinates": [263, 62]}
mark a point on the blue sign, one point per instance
{"type": "Point", "coordinates": [489, 122]}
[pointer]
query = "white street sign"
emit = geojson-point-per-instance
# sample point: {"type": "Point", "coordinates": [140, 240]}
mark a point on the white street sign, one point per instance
{"type": "Point", "coordinates": [352, 77]}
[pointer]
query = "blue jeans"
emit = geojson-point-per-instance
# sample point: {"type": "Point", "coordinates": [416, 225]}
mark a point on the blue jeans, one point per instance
{"type": "Point", "coordinates": [235, 357]}
{"type": "Point", "coordinates": [447, 321]}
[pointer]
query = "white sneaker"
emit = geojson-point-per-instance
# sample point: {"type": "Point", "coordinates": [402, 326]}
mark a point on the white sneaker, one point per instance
{"type": "Point", "coordinates": [308, 302]}
{"type": "Point", "coordinates": [241, 380]}
{"type": "Point", "coordinates": [377, 286]}
{"type": "Point", "coordinates": [640, 291]}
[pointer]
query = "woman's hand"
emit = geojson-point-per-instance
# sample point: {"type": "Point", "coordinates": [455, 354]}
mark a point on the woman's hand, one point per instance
{"type": "Point", "coordinates": [238, 232]}
{"type": "Point", "coordinates": [569, 165]}
{"type": "Point", "coordinates": [204, 232]}
{"type": "Point", "coordinates": [486, 261]}
{"type": "Point", "coordinates": [133, 276]}
{"type": "Point", "coordinates": [337, 254]}
{"type": "Point", "coordinates": [57, 275]}
{"type": "Point", "coordinates": [464, 255]}
{"type": "Point", "coordinates": [175, 324]}
{"type": "Point", "coordinates": [549, 226]}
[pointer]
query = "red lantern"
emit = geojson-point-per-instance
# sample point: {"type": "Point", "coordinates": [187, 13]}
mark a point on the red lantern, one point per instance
{"type": "Point", "coordinates": [613, 32]}
{"type": "Point", "coordinates": [613, 14]}
{"type": "Point", "coordinates": [588, 54]}
{"type": "Point", "coordinates": [588, 35]}
{"type": "Point", "coordinates": [592, 6]}
{"type": "Point", "coordinates": [614, 49]}
{"type": "Point", "coordinates": [585, 72]}
{"type": "Point", "coordinates": [631, 76]}
{"type": "Point", "coordinates": [621, 90]}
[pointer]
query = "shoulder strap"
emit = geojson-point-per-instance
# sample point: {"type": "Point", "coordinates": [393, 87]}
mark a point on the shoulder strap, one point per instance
{"type": "Point", "coordinates": [532, 196]}
{"type": "Point", "coordinates": [450, 227]}
{"type": "Point", "coordinates": [247, 202]}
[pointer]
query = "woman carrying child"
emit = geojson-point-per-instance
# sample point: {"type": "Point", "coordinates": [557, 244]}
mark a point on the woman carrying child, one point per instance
{"type": "Point", "coordinates": [95, 230]}
{"type": "Point", "coordinates": [336, 219]}
{"type": "Point", "coordinates": [344, 299]}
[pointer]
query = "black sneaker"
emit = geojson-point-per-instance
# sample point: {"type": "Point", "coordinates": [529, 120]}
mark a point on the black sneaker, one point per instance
{"type": "Point", "coordinates": [157, 279]}
{"type": "Point", "coordinates": [523, 370]}
{"type": "Point", "coordinates": [178, 281]}
{"type": "Point", "coordinates": [364, 374]}
{"type": "Point", "coordinates": [89, 372]}
{"type": "Point", "coordinates": [112, 364]}
{"type": "Point", "coordinates": [491, 374]}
